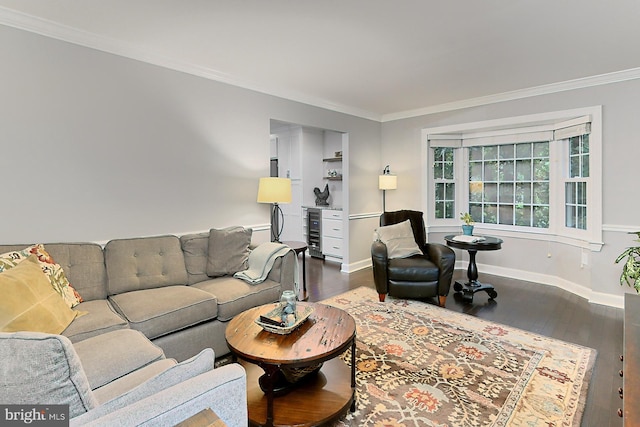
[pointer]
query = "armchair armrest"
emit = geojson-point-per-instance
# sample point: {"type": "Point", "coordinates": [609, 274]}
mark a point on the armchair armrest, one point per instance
{"type": "Point", "coordinates": [284, 270]}
{"type": "Point", "coordinates": [380, 260]}
{"type": "Point", "coordinates": [445, 258]}
{"type": "Point", "coordinates": [222, 389]}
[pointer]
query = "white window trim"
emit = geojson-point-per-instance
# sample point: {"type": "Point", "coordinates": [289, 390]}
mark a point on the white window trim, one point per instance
{"type": "Point", "coordinates": [494, 130]}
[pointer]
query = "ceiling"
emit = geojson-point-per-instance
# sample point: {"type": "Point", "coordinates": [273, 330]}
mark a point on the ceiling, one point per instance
{"type": "Point", "coordinates": [378, 59]}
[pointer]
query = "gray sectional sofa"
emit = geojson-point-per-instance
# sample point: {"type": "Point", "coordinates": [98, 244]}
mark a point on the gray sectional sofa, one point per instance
{"type": "Point", "coordinates": [151, 302]}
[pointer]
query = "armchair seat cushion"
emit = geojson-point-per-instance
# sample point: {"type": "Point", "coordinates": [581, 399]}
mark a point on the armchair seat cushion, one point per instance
{"type": "Point", "coordinates": [413, 269]}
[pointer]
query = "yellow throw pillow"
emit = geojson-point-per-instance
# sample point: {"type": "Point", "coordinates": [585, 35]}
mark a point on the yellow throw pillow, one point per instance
{"type": "Point", "coordinates": [29, 303]}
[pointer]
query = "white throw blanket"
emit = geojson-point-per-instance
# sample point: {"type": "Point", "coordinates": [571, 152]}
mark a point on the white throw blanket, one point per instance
{"type": "Point", "coordinates": [261, 261]}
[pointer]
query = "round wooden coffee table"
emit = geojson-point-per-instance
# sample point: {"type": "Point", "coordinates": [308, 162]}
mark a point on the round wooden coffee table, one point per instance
{"type": "Point", "coordinates": [316, 399]}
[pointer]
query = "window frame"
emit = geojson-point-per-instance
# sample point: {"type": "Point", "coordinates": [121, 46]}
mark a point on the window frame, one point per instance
{"type": "Point", "coordinates": [459, 135]}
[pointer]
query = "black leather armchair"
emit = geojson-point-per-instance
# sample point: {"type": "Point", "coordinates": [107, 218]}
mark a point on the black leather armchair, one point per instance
{"type": "Point", "coordinates": [418, 276]}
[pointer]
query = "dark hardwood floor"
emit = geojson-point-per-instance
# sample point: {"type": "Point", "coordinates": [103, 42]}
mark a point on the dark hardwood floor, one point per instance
{"type": "Point", "coordinates": [542, 309]}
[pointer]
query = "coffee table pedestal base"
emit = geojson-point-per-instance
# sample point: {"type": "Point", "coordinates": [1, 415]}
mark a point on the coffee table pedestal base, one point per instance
{"type": "Point", "coordinates": [317, 400]}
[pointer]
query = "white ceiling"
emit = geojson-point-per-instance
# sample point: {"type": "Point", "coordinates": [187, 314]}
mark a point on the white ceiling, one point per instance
{"type": "Point", "coordinates": [379, 59]}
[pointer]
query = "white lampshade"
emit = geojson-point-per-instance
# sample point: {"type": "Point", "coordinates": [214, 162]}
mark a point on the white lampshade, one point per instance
{"type": "Point", "coordinates": [274, 190]}
{"type": "Point", "coordinates": [387, 182]}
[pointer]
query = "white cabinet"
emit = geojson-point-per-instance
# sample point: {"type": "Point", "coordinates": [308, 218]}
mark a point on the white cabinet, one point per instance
{"type": "Point", "coordinates": [332, 233]}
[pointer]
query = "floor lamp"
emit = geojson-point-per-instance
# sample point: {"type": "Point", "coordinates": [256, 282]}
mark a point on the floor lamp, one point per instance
{"type": "Point", "coordinates": [386, 181]}
{"type": "Point", "coordinates": [275, 190]}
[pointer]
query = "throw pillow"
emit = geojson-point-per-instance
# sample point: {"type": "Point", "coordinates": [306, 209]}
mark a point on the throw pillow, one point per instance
{"type": "Point", "coordinates": [399, 240]}
{"type": "Point", "coordinates": [29, 303]}
{"type": "Point", "coordinates": [55, 273]}
{"type": "Point", "coordinates": [228, 251]}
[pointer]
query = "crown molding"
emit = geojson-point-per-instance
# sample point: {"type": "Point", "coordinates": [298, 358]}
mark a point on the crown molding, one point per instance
{"type": "Point", "coordinates": [51, 29]}
{"type": "Point", "coordinates": [47, 28]}
{"type": "Point", "coordinates": [581, 83]}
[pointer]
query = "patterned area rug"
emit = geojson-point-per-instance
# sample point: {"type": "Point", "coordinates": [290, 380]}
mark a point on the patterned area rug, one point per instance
{"type": "Point", "coordinates": [422, 365]}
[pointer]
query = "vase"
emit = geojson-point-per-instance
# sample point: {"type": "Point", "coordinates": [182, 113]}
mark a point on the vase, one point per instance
{"type": "Point", "coordinates": [467, 230]}
{"type": "Point", "coordinates": [288, 307]}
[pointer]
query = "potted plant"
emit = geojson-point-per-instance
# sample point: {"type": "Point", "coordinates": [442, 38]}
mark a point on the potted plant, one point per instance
{"type": "Point", "coordinates": [467, 227]}
{"type": "Point", "coordinates": [631, 269]}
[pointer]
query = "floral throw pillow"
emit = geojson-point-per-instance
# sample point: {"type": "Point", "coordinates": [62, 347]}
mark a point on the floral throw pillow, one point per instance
{"type": "Point", "coordinates": [53, 271]}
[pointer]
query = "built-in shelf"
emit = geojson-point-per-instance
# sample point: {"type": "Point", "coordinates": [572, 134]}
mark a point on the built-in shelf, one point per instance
{"type": "Point", "coordinates": [334, 178]}
{"type": "Point", "coordinates": [332, 159]}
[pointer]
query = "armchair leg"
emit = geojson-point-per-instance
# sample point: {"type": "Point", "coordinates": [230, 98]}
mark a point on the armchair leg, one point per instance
{"type": "Point", "coordinates": [382, 297]}
{"type": "Point", "coordinates": [441, 300]}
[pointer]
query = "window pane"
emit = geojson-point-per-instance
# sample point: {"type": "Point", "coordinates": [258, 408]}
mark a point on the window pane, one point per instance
{"type": "Point", "coordinates": [448, 171]}
{"type": "Point", "coordinates": [506, 193]}
{"type": "Point", "coordinates": [490, 193]}
{"type": "Point", "coordinates": [476, 212]}
{"type": "Point", "coordinates": [574, 167]}
{"type": "Point", "coordinates": [541, 193]}
{"type": "Point", "coordinates": [475, 172]}
{"type": "Point", "coordinates": [437, 170]}
{"type": "Point", "coordinates": [475, 191]}
{"type": "Point", "coordinates": [450, 191]}
{"type": "Point", "coordinates": [507, 171]}
{"type": "Point", "coordinates": [523, 192]}
{"type": "Point", "coordinates": [581, 217]}
{"type": "Point", "coordinates": [523, 170]}
{"type": "Point", "coordinates": [523, 216]}
{"type": "Point", "coordinates": [541, 149]}
{"type": "Point", "coordinates": [541, 216]}
{"type": "Point", "coordinates": [581, 193]}
{"type": "Point", "coordinates": [541, 168]}
{"type": "Point", "coordinates": [585, 166]}
{"type": "Point", "coordinates": [439, 213]}
{"type": "Point", "coordinates": [439, 191]}
{"type": "Point", "coordinates": [506, 215]}
{"type": "Point", "coordinates": [506, 151]}
{"type": "Point", "coordinates": [490, 171]}
{"type": "Point", "coordinates": [570, 216]}
{"type": "Point", "coordinates": [570, 192]}
{"type": "Point", "coordinates": [491, 152]}
{"type": "Point", "coordinates": [523, 150]}
{"type": "Point", "coordinates": [490, 214]}
{"type": "Point", "coordinates": [475, 153]}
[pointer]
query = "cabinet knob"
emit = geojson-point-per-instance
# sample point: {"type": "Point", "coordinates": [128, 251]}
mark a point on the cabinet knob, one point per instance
{"type": "Point", "coordinates": [621, 358]}
{"type": "Point", "coordinates": [620, 412]}
{"type": "Point", "coordinates": [620, 372]}
{"type": "Point", "coordinates": [620, 392]}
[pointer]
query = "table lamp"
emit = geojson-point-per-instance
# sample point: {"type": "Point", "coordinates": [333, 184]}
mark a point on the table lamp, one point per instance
{"type": "Point", "coordinates": [275, 190]}
{"type": "Point", "coordinates": [386, 181]}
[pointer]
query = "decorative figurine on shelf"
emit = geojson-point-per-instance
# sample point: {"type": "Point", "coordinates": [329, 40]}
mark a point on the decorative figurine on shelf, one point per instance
{"type": "Point", "coordinates": [322, 196]}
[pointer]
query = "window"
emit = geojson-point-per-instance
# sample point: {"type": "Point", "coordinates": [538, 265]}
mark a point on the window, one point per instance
{"type": "Point", "coordinates": [445, 187]}
{"type": "Point", "coordinates": [509, 184]}
{"type": "Point", "coordinates": [576, 184]}
{"type": "Point", "coordinates": [539, 174]}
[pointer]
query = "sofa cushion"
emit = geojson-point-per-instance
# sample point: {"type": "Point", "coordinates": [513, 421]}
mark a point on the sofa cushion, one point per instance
{"type": "Point", "coordinates": [54, 272]}
{"type": "Point", "coordinates": [29, 303]}
{"type": "Point", "coordinates": [83, 264]}
{"type": "Point", "coordinates": [172, 375]}
{"type": "Point", "coordinates": [235, 296]}
{"type": "Point", "coordinates": [100, 318]}
{"type": "Point", "coordinates": [130, 381]}
{"type": "Point", "coordinates": [195, 248]}
{"type": "Point", "coordinates": [109, 356]}
{"type": "Point", "coordinates": [228, 250]}
{"type": "Point", "coordinates": [160, 311]}
{"type": "Point", "coordinates": [144, 263]}
{"type": "Point", "coordinates": [39, 368]}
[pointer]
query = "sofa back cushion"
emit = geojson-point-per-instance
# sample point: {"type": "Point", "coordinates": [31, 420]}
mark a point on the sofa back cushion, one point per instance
{"type": "Point", "coordinates": [144, 263]}
{"type": "Point", "coordinates": [38, 368]}
{"type": "Point", "coordinates": [195, 248]}
{"type": "Point", "coordinates": [82, 263]}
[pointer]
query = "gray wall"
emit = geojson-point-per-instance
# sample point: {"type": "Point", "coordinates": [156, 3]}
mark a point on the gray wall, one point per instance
{"type": "Point", "coordinates": [598, 281]}
{"type": "Point", "coordinates": [96, 146]}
